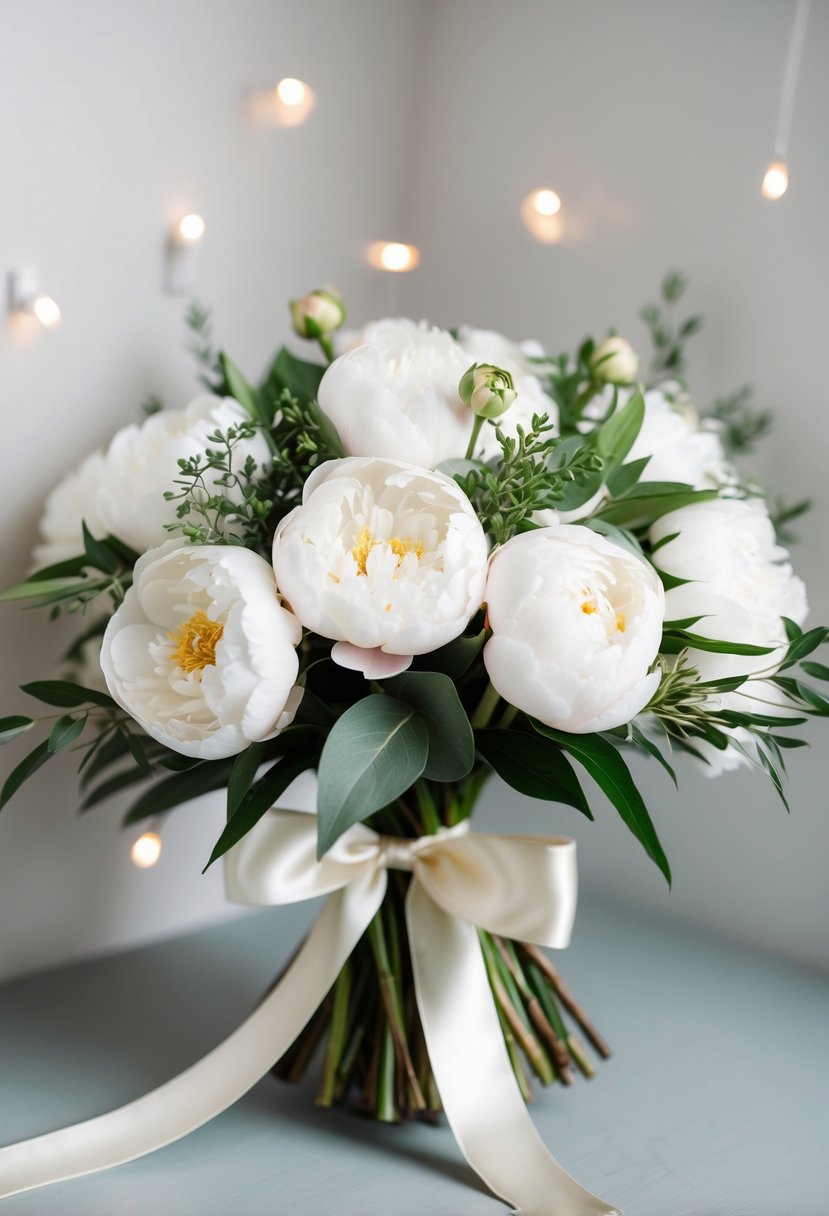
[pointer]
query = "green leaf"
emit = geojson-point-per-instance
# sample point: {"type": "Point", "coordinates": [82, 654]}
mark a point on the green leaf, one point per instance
{"type": "Point", "coordinates": [112, 785]}
{"type": "Point", "coordinates": [804, 645]}
{"type": "Point", "coordinates": [35, 588]}
{"type": "Point", "coordinates": [107, 753]}
{"type": "Point", "coordinates": [11, 727]}
{"type": "Point", "coordinates": [71, 567]}
{"type": "Point", "coordinates": [793, 630]}
{"type": "Point", "coordinates": [626, 476]}
{"type": "Point", "coordinates": [615, 437]}
{"type": "Point", "coordinates": [532, 765]}
{"type": "Point", "coordinates": [611, 774]}
{"type": "Point", "coordinates": [178, 788]}
{"type": "Point", "coordinates": [817, 670]}
{"type": "Point", "coordinates": [65, 731]}
{"type": "Point", "coordinates": [681, 639]}
{"type": "Point", "coordinates": [625, 540]}
{"type": "Point", "coordinates": [301, 378]}
{"type": "Point", "coordinates": [642, 506]}
{"type": "Point", "coordinates": [139, 754]}
{"type": "Point", "coordinates": [374, 752]}
{"type": "Point", "coordinates": [451, 745]}
{"type": "Point", "coordinates": [242, 775]}
{"type": "Point", "coordinates": [27, 766]}
{"type": "Point", "coordinates": [239, 388]}
{"type": "Point", "coordinates": [66, 694]}
{"type": "Point", "coordinates": [455, 658]}
{"type": "Point", "coordinates": [260, 798]}
{"type": "Point", "coordinates": [641, 740]}
{"type": "Point", "coordinates": [100, 555]}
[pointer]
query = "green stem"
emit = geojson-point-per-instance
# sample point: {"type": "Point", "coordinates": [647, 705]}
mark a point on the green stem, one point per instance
{"type": "Point", "coordinates": [390, 993]}
{"type": "Point", "coordinates": [486, 707]}
{"type": "Point", "coordinates": [336, 1036]}
{"type": "Point", "coordinates": [507, 717]}
{"type": "Point", "coordinates": [428, 808]}
{"type": "Point", "coordinates": [327, 347]}
{"type": "Point", "coordinates": [386, 1104]}
{"type": "Point", "coordinates": [473, 438]}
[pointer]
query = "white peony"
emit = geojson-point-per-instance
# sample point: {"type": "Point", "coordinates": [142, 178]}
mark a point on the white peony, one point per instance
{"type": "Point", "coordinates": [576, 625]}
{"type": "Point", "coordinates": [201, 652]}
{"type": "Point", "coordinates": [383, 558]}
{"type": "Point", "coordinates": [141, 463]}
{"type": "Point", "coordinates": [72, 502]}
{"type": "Point", "coordinates": [396, 395]}
{"type": "Point", "coordinates": [740, 585]}
{"type": "Point", "coordinates": [121, 491]}
{"type": "Point", "coordinates": [487, 346]}
{"type": "Point", "coordinates": [679, 448]}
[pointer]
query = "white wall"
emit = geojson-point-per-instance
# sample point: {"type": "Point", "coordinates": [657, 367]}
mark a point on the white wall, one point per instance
{"type": "Point", "coordinates": [114, 119]}
{"type": "Point", "coordinates": [654, 121]}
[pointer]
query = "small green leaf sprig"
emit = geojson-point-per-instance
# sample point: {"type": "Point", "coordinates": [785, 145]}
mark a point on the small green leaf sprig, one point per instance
{"type": "Point", "coordinates": [204, 510]}
{"type": "Point", "coordinates": [524, 480]}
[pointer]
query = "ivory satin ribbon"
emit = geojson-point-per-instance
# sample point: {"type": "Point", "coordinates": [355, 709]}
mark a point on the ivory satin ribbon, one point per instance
{"type": "Point", "coordinates": [520, 887]}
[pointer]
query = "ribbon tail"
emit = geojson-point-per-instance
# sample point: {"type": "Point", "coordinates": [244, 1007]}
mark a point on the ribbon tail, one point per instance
{"type": "Point", "coordinates": [477, 1086]}
{"type": "Point", "coordinates": [221, 1078]}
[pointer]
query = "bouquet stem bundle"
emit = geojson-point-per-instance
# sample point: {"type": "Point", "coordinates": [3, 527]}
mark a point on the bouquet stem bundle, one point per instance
{"type": "Point", "coordinates": [375, 1055]}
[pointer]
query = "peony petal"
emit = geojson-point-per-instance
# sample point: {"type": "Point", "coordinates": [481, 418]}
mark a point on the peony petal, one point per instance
{"type": "Point", "coordinates": [375, 664]}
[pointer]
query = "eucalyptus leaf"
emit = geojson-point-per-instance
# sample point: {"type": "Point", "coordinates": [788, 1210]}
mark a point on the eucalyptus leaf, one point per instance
{"type": "Point", "coordinates": [374, 752]}
{"type": "Point", "coordinates": [455, 658]}
{"type": "Point", "coordinates": [11, 728]}
{"type": "Point", "coordinates": [451, 745]}
{"type": "Point", "coordinates": [65, 731]}
{"type": "Point", "coordinates": [27, 766]}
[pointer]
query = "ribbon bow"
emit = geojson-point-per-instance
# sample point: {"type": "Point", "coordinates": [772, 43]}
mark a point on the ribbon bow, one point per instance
{"type": "Point", "coordinates": [517, 886]}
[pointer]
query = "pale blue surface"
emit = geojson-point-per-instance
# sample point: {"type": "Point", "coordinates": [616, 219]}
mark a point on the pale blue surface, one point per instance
{"type": "Point", "coordinates": [714, 1105]}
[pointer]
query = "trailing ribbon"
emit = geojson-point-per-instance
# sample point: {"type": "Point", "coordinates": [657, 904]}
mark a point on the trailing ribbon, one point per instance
{"type": "Point", "coordinates": [521, 887]}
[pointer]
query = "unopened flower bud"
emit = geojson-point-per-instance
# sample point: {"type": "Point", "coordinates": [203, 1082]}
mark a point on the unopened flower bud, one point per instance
{"type": "Point", "coordinates": [487, 390]}
{"type": "Point", "coordinates": [614, 361]}
{"type": "Point", "coordinates": [318, 314]}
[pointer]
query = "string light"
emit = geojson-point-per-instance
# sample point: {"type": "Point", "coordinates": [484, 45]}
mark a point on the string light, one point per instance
{"type": "Point", "coordinates": [286, 105]}
{"type": "Point", "coordinates": [27, 301]}
{"type": "Point", "coordinates": [146, 850]}
{"type": "Point", "coordinates": [541, 214]}
{"type": "Point", "coordinates": [776, 178]}
{"type": "Point", "coordinates": [394, 256]}
{"type": "Point", "coordinates": [190, 228]}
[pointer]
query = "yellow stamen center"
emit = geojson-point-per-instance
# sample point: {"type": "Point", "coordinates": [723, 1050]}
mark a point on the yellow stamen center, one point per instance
{"type": "Point", "coordinates": [400, 547]}
{"type": "Point", "coordinates": [195, 642]}
{"type": "Point", "coordinates": [588, 607]}
{"type": "Point", "coordinates": [620, 622]}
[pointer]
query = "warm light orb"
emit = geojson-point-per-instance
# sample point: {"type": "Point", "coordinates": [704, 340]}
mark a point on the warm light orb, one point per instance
{"type": "Point", "coordinates": [541, 214]}
{"type": "Point", "coordinates": [776, 181]}
{"type": "Point", "coordinates": [191, 228]}
{"type": "Point", "coordinates": [393, 255]}
{"type": "Point", "coordinates": [146, 850]}
{"type": "Point", "coordinates": [545, 202]}
{"type": "Point", "coordinates": [291, 92]}
{"type": "Point", "coordinates": [46, 311]}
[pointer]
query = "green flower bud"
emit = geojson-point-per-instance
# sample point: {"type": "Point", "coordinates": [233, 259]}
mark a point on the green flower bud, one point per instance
{"type": "Point", "coordinates": [614, 361]}
{"type": "Point", "coordinates": [487, 390]}
{"type": "Point", "coordinates": [318, 314]}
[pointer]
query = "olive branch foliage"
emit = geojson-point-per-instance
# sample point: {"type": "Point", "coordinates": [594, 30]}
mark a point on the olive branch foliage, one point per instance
{"type": "Point", "coordinates": [439, 729]}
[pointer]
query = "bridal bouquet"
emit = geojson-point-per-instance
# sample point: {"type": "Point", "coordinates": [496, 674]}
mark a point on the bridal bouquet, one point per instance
{"type": "Point", "coordinates": [432, 557]}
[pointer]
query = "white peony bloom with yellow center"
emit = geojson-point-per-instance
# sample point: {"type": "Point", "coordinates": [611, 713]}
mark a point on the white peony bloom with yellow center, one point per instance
{"type": "Point", "coordinates": [382, 557]}
{"type": "Point", "coordinates": [396, 395]}
{"type": "Point", "coordinates": [576, 625]}
{"type": "Point", "coordinates": [201, 652]}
